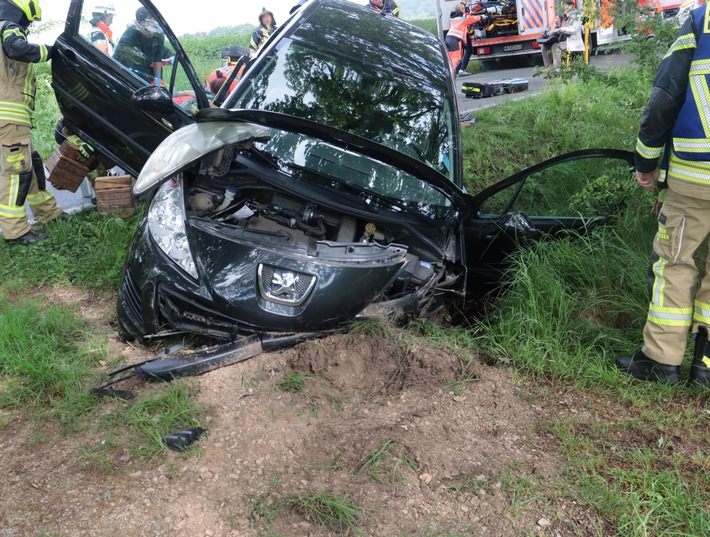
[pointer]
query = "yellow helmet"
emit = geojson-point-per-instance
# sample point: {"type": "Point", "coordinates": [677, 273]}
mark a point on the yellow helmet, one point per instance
{"type": "Point", "coordinates": [30, 8]}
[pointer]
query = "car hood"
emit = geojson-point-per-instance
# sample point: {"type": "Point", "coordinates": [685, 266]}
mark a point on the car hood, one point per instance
{"type": "Point", "coordinates": [218, 127]}
{"type": "Point", "coordinates": [189, 144]}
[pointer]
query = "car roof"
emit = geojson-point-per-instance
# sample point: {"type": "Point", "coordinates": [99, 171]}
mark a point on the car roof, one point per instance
{"type": "Point", "coordinates": [347, 29]}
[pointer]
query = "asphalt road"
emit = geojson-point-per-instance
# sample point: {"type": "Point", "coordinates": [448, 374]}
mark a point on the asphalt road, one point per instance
{"type": "Point", "coordinates": [606, 62]}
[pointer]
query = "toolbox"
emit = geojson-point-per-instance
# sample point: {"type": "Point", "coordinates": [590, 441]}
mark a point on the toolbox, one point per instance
{"type": "Point", "coordinates": [478, 90]}
{"type": "Point", "coordinates": [516, 85]}
{"type": "Point", "coordinates": [114, 195]}
{"type": "Point", "coordinates": [66, 171]}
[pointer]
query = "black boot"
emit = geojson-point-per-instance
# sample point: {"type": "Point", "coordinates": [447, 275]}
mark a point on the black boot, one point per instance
{"type": "Point", "coordinates": [30, 237]}
{"type": "Point", "coordinates": [700, 369]}
{"type": "Point", "coordinates": [642, 367]}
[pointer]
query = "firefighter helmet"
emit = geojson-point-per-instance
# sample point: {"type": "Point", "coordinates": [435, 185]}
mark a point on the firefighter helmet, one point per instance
{"type": "Point", "coordinates": [30, 8]}
{"type": "Point", "coordinates": [103, 10]}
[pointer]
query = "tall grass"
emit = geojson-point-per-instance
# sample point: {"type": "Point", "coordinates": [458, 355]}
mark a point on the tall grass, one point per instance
{"type": "Point", "coordinates": [569, 306]}
{"type": "Point", "coordinates": [600, 113]}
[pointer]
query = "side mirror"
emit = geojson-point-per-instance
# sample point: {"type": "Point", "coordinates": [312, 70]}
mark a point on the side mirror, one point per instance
{"type": "Point", "coordinates": [153, 99]}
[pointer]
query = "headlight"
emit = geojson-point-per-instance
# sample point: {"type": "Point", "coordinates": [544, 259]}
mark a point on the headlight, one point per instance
{"type": "Point", "coordinates": [166, 223]}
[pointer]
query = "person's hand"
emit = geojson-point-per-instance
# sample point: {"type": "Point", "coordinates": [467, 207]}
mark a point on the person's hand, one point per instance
{"type": "Point", "coordinates": [555, 31]}
{"type": "Point", "coordinates": [86, 151]}
{"type": "Point", "coordinates": [647, 179]}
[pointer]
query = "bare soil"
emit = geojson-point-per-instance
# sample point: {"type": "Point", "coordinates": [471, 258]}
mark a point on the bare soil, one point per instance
{"type": "Point", "coordinates": [361, 391]}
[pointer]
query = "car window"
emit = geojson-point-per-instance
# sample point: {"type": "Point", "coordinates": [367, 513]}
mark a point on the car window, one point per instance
{"type": "Point", "coordinates": [392, 109]}
{"type": "Point", "coordinates": [129, 34]}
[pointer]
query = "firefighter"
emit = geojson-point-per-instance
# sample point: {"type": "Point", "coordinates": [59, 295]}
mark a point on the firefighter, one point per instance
{"type": "Point", "coordinates": [18, 180]}
{"type": "Point", "coordinates": [101, 35]}
{"type": "Point", "coordinates": [675, 128]}
{"type": "Point", "coordinates": [261, 34]}
{"type": "Point", "coordinates": [388, 7]}
{"type": "Point", "coordinates": [461, 20]}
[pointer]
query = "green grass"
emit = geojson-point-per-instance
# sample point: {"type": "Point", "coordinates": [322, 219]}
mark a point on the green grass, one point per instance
{"type": "Point", "coordinates": [386, 466]}
{"type": "Point", "coordinates": [334, 512]}
{"type": "Point", "coordinates": [47, 362]}
{"type": "Point", "coordinates": [293, 382]}
{"type": "Point", "coordinates": [87, 250]}
{"type": "Point", "coordinates": [565, 117]}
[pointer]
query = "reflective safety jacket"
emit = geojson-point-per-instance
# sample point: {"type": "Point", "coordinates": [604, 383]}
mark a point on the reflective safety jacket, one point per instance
{"type": "Point", "coordinates": [18, 83]}
{"type": "Point", "coordinates": [460, 23]}
{"type": "Point", "coordinates": [389, 7]}
{"type": "Point", "coordinates": [260, 35]}
{"type": "Point", "coordinates": [101, 37]}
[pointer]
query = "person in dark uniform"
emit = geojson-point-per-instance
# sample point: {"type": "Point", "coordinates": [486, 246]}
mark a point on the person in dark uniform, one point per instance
{"type": "Point", "coordinates": [142, 48]}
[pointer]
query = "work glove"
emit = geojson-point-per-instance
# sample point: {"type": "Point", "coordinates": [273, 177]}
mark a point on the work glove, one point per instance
{"type": "Point", "coordinates": [86, 151]}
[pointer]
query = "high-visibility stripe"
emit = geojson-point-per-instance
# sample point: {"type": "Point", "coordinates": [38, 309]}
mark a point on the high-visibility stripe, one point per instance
{"type": "Point", "coordinates": [684, 42]}
{"type": "Point", "coordinates": [43, 53]}
{"type": "Point", "coordinates": [688, 174]}
{"type": "Point", "coordinates": [12, 212]}
{"type": "Point", "coordinates": [701, 92]}
{"type": "Point", "coordinates": [702, 312]}
{"type": "Point", "coordinates": [659, 283]}
{"type": "Point", "coordinates": [668, 319]}
{"type": "Point", "coordinates": [14, 190]}
{"type": "Point", "coordinates": [39, 197]}
{"type": "Point", "coordinates": [648, 152]}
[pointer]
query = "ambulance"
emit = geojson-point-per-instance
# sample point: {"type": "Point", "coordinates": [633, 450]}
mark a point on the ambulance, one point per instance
{"type": "Point", "coordinates": [514, 26]}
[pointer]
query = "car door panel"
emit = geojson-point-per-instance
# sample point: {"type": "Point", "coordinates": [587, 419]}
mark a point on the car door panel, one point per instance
{"type": "Point", "coordinates": [95, 95]}
{"type": "Point", "coordinates": [505, 217]}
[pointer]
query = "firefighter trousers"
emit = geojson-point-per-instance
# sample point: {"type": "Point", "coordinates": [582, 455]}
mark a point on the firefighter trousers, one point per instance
{"type": "Point", "coordinates": [677, 302]}
{"type": "Point", "coordinates": [18, 184]}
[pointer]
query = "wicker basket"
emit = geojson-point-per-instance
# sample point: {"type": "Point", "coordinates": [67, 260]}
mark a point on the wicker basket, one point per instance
{"type": "Point", "coordinates": [114, 195]}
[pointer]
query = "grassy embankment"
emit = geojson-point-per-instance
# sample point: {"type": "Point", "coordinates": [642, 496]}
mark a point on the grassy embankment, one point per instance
{"type": "Point", "coordinates": [637, 456]}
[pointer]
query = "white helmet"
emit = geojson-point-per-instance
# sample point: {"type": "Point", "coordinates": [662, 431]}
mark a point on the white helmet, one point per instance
{"type": "Point", "coordinates": [104, 9]}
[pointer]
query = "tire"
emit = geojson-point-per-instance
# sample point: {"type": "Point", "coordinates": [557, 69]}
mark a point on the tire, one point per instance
{"type": "Point", "coordinates": [486, 65]}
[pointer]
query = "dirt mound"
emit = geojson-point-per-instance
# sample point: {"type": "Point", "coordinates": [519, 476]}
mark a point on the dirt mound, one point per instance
{"type": "Point", "coordinates": [373, 419]}
{"type": "Point", "coordinates": [383, 362]}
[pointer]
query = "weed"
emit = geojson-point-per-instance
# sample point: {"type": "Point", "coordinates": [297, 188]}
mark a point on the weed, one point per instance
{"type": "Point", "coordinates": [293, 382]}
{"type": "Point", "coordinates": [386, 467]}
{"type": "Point", "coordinates": [335, 512]}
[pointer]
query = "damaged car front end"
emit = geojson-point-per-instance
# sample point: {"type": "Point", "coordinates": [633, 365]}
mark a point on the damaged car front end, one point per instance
{"type": "Point", "coordinates": [270, 224]}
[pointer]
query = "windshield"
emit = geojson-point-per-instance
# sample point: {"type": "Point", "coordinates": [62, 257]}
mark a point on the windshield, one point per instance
{"type": "Point", "coordinates": [394, 110]}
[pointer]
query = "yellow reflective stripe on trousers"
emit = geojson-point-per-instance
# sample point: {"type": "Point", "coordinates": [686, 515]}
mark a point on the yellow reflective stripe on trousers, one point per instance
{"type": "Point", "coordinates": [702, 312]}
{"type": "Point", "coordinates": [648, 152]}
{"type": "Point", "coordinates": [14, 190]}
{"type": "Point", "coordinates": [12, 212]}
{"type": "Point", "coordinates": [39, 197]}
{"type": "Point", "coordinates": [670, 319]}
{"type": "Point", "coordinates": [670, 316]}
{"type": "Point", "coordinates": [659, 284]}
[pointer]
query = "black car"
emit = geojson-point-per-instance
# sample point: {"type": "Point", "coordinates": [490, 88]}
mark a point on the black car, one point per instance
{"type": "Point", "coordinates": [327, 187]}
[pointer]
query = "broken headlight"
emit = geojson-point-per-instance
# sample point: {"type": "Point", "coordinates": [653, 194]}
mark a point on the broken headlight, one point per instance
{"type": "Point", "coordinates": [166, 223]}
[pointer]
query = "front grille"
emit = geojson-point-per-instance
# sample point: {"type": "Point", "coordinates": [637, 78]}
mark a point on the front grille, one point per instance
{"type": "Point", "coordinates": [184, 313]}
{"type": "Point", "coordinates": [131, 300]}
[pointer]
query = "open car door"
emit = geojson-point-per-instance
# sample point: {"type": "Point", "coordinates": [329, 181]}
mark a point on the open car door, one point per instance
{"type": "Point", "coordinates": [108, 97]}
{"type": "Point", "coordinates": [546, 200]}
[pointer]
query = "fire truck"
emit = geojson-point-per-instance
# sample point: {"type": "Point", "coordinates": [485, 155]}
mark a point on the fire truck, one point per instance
{"type": "Point", "coordinates": [515, 25]}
